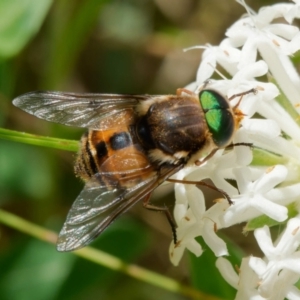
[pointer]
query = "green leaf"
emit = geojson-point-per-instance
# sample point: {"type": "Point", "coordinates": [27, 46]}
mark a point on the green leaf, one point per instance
{"type": "Point", "coordinates": [17, 177]}
{"type": "Point", "coordinates": [265, 220]}
{"type": "Point", "coordinates": [19, 22]}
{"type": "Point", "coordinates": [266, 158]}
{"type": "Point", "coordinates": [36, 272]}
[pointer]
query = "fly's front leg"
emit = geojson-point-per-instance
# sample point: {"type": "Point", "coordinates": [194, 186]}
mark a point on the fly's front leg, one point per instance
{"type": "Point", "coordinates": [166, 211]}
{"type": "Point", "coordinates": [241, 95]}
{"type": "Point", "coordinates": [253, 90]}
{"type": "Point", "coordinates": [212, 153]}
{"type": "Point", "coordinates": [180, 91]}
{"type": "Point", "coordinates": [206, 158]}
{"type": "Point", "coordinates": [250, 145]}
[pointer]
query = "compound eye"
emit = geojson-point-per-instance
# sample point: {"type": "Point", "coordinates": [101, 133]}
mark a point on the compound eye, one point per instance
{"type": "Point", "coordinates": [218, 116]}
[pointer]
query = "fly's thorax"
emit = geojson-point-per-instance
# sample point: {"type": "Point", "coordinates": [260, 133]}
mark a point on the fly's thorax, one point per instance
{"type": "Point", "coordinates": [173, 129]}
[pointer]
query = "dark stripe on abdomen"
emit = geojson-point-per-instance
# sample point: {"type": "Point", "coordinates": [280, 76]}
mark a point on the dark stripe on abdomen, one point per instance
{"type": "Point", "coordinates": [101, 149]}
{"type": "Point", "coordinates": [91, 160]}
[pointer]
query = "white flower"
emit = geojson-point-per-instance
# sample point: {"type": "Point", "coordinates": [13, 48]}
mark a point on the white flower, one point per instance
{"type": "Point", "coordinates": [193, 220]}
{"type": "Point", "coordinates": [256, 50]}
{"type": "Point", "coordinates": [281, 268]}
{"type": "Point", "coordinates": [253, 199]}
{"type": "Point", "coordinates": [225, 55]}
{"type": "Point", "coordinates": [245, 282]}
{"type": "Point", "coordinates": [190, 212]}
{"type": "Point", "coordinates": [254, 32]}
{"type": "Point", "coordinates": [274, 42]}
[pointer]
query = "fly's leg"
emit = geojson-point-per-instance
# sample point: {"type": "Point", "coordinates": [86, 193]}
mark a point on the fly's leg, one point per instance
{"type": "Point", "coordinates": [180, 91]}
{"type": "Point", "coordinates": [253, 90]}
{"type": "Point", "coordinates": [166, 211]}
{"type": "Point", "coordinates": [202, 183]}
{"type": "Point", "coordinates": [212, 153]}
{"type": "Point", "coordinates": [250, 145]}
{"type": "Point", "coordinates": [241, 95]}
{"type": "Point", "coordinates": [206, 158]}
{"type": "Point", "coordinates": [199, 88]}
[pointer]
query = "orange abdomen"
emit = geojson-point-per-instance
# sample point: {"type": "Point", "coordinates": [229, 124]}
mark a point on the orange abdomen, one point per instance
{"type": "Point", "coordinates": [113, 158]}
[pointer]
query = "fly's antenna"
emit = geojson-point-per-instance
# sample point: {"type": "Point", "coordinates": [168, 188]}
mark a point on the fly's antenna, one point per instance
{"type": "Point", "coordinates": [208, 81]}
{"type": "Point", "coordinates": [195, 47]}
{"type": "Point", "coordinates": [202, 86]}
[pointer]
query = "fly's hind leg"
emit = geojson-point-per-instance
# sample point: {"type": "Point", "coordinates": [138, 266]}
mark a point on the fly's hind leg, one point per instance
{"type": "Point", "coordinates": [166, 211]}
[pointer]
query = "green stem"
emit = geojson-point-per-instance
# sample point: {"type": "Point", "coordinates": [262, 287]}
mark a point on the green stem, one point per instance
{"type": "Point", "coordinates": [105, 259]}
{"type": "Point", "coordinates": [37, 140]}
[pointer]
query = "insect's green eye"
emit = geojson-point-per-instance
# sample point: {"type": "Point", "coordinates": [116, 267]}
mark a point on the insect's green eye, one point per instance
{"type": "Point", "coordinates": [219, 118]}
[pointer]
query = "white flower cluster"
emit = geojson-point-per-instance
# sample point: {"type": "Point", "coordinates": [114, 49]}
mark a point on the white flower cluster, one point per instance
{"type": "Point", "coordinates": [256, 46]}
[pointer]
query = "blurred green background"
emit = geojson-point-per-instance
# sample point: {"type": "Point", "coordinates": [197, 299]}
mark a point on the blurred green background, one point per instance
{"type": "Point", "coordinates": [129, 46]}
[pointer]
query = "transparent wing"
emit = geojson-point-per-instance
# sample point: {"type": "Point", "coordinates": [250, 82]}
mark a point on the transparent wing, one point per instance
{"type": "Point", "coordinates": [97, 207]}
{"type": "Point", "coordinates": [74, 109]}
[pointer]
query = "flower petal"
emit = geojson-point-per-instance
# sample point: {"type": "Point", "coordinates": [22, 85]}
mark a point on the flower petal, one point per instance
{"type": "Point", "coordinates": [227, 271]}
{"type": "Point", "coordinates": [271, 178]}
